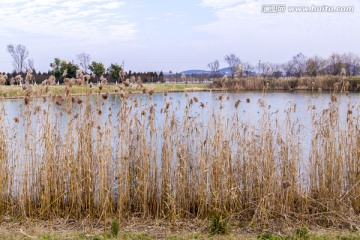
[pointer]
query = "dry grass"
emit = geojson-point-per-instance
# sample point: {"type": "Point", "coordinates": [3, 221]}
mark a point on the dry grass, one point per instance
{"type": "Point", "coordinates": [16, 91]}
{"type": "Point", "coordinates": [137, 229]}
{"type": "Point", "coordinates": [86, 160]}
{"type": "Point", "coordinates": [320, 83]}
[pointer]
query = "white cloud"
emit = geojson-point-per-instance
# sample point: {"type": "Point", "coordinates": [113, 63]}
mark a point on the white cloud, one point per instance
{"type": "Point", "coordinates": [222, 3]}
{"type": "Point", "coordinates": [239, 26]}
{"type": "Point", "coordinates": [66, 19]}
{"type": "Point", "coordinates": [238, 17]}
{"type": "Point", "coordinates": [111, 5]}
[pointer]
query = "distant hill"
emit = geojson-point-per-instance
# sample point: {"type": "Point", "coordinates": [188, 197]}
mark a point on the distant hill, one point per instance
{"type": "Point", "coordinates": [223, 71]}
{"type": "Point", "coordinates": [190, 72]}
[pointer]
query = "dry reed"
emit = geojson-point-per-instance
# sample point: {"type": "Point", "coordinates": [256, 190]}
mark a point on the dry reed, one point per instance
{"type": "Point", "coordinates": [320, 83]}
{"type": "Point", "coordinates": [82, 158]}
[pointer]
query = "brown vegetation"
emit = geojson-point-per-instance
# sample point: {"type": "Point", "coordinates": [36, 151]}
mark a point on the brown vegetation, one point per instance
{"type": "Point", "coordinates": [86, 160]}
{"type": "Point", "coordinates": [324, 83]}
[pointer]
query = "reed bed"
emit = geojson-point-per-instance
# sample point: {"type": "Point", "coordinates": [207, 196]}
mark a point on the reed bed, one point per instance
{"type": "Point", "coordinates": [319, 83]}
{"type": "Point", "coordinates": [85, 157]}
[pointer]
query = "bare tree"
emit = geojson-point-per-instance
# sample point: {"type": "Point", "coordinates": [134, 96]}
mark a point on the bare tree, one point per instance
{"type": "Point", "coordinates": [84, 60]}
{"type": "Point", "coordinates": [19, 53]}
{"type": "Point", "coordinates": [249, 70]}
{"type": "Point", "coordinates": [264, 68]}
{"type": "Point", "coordinates": [315, 66]}
{"type": "Point", "coordinates": [214, 67]}
{"type": "Point", "coordinates": [351, 62]}
{"type": "Point", "coordinates": [335, 64]}
{"type": "Point", "coordinates": [233, 62]}
{"type": "Point", "coordinates": [275, 70]}
{"type": "Point", "coordinates": [357, 69]}
{"type": "Point", "coordinates": [289, 69]}
{"type": "Point", "coordinates": [296, 67]}
{"type": "Point", "coordinates": [267, 69]}
{"type": "Point", "coordinates": [299, 61]}
{"type": "Point", "coordinates": [30, 65]}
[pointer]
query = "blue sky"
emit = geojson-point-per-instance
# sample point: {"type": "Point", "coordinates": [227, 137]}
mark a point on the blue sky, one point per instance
{"type": "Point", "coordinates": [171, 34]}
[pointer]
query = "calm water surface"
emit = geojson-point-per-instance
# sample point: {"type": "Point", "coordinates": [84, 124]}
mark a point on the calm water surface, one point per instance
{"type": "Point", "coordinates": [249, 109]}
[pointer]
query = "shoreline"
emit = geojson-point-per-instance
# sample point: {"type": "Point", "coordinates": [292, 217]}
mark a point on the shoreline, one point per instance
{"type": "Point", "coordinates": [16, 92]}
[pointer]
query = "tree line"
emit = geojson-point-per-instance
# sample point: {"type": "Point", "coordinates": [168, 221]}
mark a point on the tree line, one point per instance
{"type": "Point", "coordinates": [347, 64]}
{"type": "Point", "coordinates": [61, 69]}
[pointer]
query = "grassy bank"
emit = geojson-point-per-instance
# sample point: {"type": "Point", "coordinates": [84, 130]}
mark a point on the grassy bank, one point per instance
{"type": "Point", "coordinates": [321, 83]}
{"type": "Point", "coordinates": [84, 159]}
{"type": "Point", "coordinates": [17, 91]}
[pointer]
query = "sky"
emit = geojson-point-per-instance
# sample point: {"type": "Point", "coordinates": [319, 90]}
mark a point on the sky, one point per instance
{"type": "Point", "coordinates": [155, 35]}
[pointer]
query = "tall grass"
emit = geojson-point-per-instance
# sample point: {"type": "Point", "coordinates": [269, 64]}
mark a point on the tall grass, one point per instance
{"type": "Point", "coordinates": [86, 158]}
{"type": "Point", "coordinates": [320, 83]}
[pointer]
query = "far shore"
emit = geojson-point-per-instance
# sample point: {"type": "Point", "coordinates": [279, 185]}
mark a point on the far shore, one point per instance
{"type": "Point", "coordinates": [16, 91]}
{"type": "Point", "coordinates": [320, 84]}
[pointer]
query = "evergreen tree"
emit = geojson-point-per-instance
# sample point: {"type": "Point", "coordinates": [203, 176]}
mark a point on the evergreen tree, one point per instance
{"type": "Point", "coordinates": [114, 71]}
{"type": "Point", "coordinates": [97, 68]}
{"type": "Point", "coordinates": [161, 77]}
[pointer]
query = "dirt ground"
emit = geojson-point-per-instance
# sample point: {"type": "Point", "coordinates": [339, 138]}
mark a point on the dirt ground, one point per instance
{"type": "Point", "coordinates": [151, 229]}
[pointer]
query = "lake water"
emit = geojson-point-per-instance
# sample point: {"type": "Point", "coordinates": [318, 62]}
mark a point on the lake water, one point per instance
{"type": "Point", "coordinates": [299, 106]}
